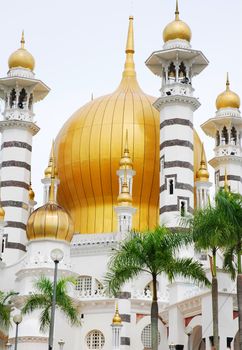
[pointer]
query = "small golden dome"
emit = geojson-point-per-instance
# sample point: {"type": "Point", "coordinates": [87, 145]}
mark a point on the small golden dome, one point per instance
{"type": "Point", "coordinates": [50, 221]}
{"type": "Point", "coordinates": [124, 198]}
{"type": "Point", "coordinates": [228, 98]}
{"type": "Point", "coordinates": [31, 193]}
{"type": "Point", "coordinates": [177, 29]}
{"type": "Point", "coordinates": [117, 321]}
{"type": "Point", "coordinates": [202, 174]}
{"type": "Point", "coordinates": [2, 213]}
{"type": "Point", "coordinates": [21, 58]}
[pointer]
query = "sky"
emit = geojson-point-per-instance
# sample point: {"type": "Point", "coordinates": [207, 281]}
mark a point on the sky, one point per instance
{"type": "Point", "coordinates": [79, 50]}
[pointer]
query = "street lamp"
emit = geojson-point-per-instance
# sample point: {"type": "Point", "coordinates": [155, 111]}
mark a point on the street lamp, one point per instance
{"type": "Point", "coordinates": [56, 255]}
{"type": "Point", "coordinates": [17, 319]}
{"type": "Point", "coordinates": [172, 346]}
{"type": "Point", "coordinates": [61, 344]}
{"type": "Point", "coordinates": [188, 332]}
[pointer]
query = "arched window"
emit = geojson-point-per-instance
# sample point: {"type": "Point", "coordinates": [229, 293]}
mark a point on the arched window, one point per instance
{"type": "Point", "coordinates": [183, 208]}
{"type": "Point", "coordinates": [30, 102]}
{"type": "Point", "coordinates": [172, 71]}
{"type": "Point", "coordinates": [171, 186]}
{"type": "Point", "coordinates": [225, 135]}
{"type": "Point", "coordinates": [233, 135]}
{"type": "Point", "coordinates": [22, 99]}
{"type": "Point", "coordinates": [146, 337]}
{"type": "Point", "coordinates": [12, 98]}
{"type": "Point", "coordinates": [95, 339]}
{"type": "Point", "coordinates": [217, 138]}
{"type": "Point", "coordinates": [84, 284]}
{"type": "Point", "coordinates": [182, 74]}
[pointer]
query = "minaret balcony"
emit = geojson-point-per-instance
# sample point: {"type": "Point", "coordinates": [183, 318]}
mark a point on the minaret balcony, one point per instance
{"type": "Point", "coordinates": [18, 114]}
{"type": "Point", "coordinates": [178, 88]}
{"type": "Point", "coordinates": [227, 150]}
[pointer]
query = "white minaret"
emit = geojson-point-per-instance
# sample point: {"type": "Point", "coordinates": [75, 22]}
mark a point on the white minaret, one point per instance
{"type": "Point", "coordinates": [202, 183]}
{"type": "Point", "coordinates": [46, 181]}
{"type": "Point", "coordinates": [177, 63]}
{"type": "Point", "coordinates": [225, 127]}
{"type": "Point", "coordinates": [124, 209]}
{"type": "Point", "coordinates": [116, 329]}
{"type": "Point", "coordinates": [19, 90]}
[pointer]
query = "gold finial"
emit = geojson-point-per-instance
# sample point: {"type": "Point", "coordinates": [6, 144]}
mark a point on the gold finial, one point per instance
{"type": "Point", "coordinates": [22, 40]}
{"type": "Point", "coordinates": [177, 11]}
{"type": "Point", "coordinates": [125, 198]}
{"type": "Point", "coordinates": [52, 184]}
{"type": "Point", "coordinates": [202, 173]}
{"type": "Point", "coordinates": [129, 69]}
{"type": "Point", "coordinates": [227, 82]}
{"type": "Point", "coordinates": [226, 186]}
{"type": "Point", "coordinates": [117, 319]}
{"type": "Point", "coordinates": [2, 213]}
{"type": "Point", "coordinates": [31, 192]}
{"type": "Point", "coordinates": [126, 161]}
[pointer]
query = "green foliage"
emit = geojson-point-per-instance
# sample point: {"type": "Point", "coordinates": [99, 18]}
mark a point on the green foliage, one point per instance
{"type": "Point", "coordinates": [153, 252]}
{"type": "Point", "coordinates": [42, 300]}
{"type": "Point", "coordinates": [6, 308]}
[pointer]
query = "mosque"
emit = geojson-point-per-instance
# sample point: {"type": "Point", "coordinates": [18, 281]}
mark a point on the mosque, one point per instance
{"type": "Point", "coordinates": [123, 161]}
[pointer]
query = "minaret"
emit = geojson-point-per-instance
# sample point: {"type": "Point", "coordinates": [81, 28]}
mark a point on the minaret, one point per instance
{"type": "Point", "coordinates": [46, 181]}
{"type": "Point", "coordinates": [202, 183]}
{"type": "Point", "coordinates": [116, 329]}
{"type": "Point", "coordinates": [225, 127]}
{"type": "Point", "coordinates": [19, 90]}
{"type": "Point", "coordinates": [176, 64]}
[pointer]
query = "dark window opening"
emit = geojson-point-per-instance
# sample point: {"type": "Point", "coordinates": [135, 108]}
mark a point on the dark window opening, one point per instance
{"type": "Point", "coordinates": [217, 138]}
{"type": "Point", "coordinates": [22, 98]}
{"type": "Point", "coordinates": [171, 186]}
{"type": "Point", "coordinates": [12, 98]}
{"type": "Point", "coordinates": [234, 135]}
{"type": "Point", "coordinates": [225, 135]}
{"type": "Point", "coordinates": [172, 71]}
{"type": "Point", "coordinates": [183, 208]}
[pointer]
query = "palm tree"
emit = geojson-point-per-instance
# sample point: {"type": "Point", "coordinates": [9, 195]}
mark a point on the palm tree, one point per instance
{"type": "Point", "coordinates": [231, 206]}
{"type": "Point", "coordinates": [152, 252]}
{"type": "Point", "coordinates": [42, 300]}
{"type": "Point", "coordinates": [6, 308]}
{"type": "Point", "coordinates": [209, 229]}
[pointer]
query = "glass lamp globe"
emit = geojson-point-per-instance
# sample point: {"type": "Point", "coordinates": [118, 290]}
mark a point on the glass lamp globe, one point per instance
{"type": "Point", "coordinates": [57, 255]}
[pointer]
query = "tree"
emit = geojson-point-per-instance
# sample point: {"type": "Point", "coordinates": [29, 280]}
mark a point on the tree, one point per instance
{"type": "Point", "coordinates": [42, 300]}
{"type": "Point", "coordinates": [6, 308]}
{"type": "Point", "coordinates": [210, 229]}
{"type": "Point", "coordinates": [231, 206]}
{"type": "Point", "coordinates": [152, 252]}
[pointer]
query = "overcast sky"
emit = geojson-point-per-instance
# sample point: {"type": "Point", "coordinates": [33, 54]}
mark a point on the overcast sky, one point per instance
{"type": "Point", "coordinates": [79, 49]}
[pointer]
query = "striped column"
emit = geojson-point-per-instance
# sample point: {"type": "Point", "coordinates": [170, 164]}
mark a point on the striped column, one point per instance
{"type": "Point", "coordinates": [176, 157]}
{"type": "Point", "coordinates": [16, 149]}
{"type": "Point", "coordinates": [125, 314]}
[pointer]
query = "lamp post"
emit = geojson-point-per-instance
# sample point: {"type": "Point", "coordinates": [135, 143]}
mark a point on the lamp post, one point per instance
{"type": "Point", "coordinates": [61, 344]}
{"type": "Point", "coordinates": [17, 319]}
{"type": "Point", "coordinates": [172, 346]}
{"type": "Point", "coordinates": [56, 255]}
{"type": "Point", "coordinates": [188, 332]}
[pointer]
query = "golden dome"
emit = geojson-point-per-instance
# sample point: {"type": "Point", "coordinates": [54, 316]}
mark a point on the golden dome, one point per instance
{"type": "Point", "coordinates": [50, 221]}
{"type": "Point", "coordinates": [202, 174]}
{"type": "Point", "coordinates": [90, 145]}
{"type": "Point", "coordinates": [31, 193]}
{"type": "Point", "coordinates": [2, 213]}
{"type": "Point", "coordinates": [177, 29]}
{"type": "Point", "coordinates": [21, 58]}
{"type": "Point", "coordinates": [228, 98]}
{"type": "Point", "coordinates": [117, 321]}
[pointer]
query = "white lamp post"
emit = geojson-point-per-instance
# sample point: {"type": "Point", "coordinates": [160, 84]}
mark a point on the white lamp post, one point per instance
{"type": "Point", "coordinates": [56, 255]}
{"type": "Point", "coordinates": [188, 332]}
{"type": "Point", "coordinates": [61, 344]}
{"type": "Point", "coordinates": [17, 319]}
{"type": "Point", "coordinates": [172, 346]}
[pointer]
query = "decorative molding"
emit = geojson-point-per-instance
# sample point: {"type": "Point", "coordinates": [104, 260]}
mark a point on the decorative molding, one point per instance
{"type": "Point", "coordinates": [123, 295]}
{"type": "Point", "coordinates": [18, 144]}
{"type": "Point", "coordinates": [29, 339]}
{"type": "Point", "coordinates": [176, 142]}
{"type": "Point", "coordinates": [177, 98]}
{"type": "Point", "coordinates": [176, 121]}
{"type": "Point", "coordinates": [5, 124]}
{"type": "Point", "coordinates": [14, 183]}
{"type": "Point", "coordinates": [15, 163]}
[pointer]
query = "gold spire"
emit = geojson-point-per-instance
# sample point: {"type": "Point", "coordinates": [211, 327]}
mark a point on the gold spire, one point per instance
{"type": "Point", "coordinates": [22, 40]}
{"type": "Point", "coordinates": [126, 161]}
{"type": "Point", "coordinates": [202, 173]}
{"type": "Point", "coordinates": [52, 184]}
{"type": "Point", "coordinates": [129, 68]}
{"type": "Point", "coordinates": [117, 319]}
{"type": "Point", "coordinates": [226, 186]}
{"type": "Point", "coordinates": [227, 82]}
{"type": "Point", "coordinates": [177, 11]}
{"type": "Point", "coordinates": [125, 198]}
{"type": "Point", "coordinates": [49, 168]}
{"type": "Point", "coordinates": [31, 192]}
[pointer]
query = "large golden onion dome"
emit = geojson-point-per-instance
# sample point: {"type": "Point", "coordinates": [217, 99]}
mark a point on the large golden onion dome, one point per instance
{"type": "Point", "coordinates": [89, 147]}
{"type": "Point", "coordinates": [50, 221]}
{"type": "Point", "coordinates": [177, 29]}
{"type": "Point", "coordinates": [21, 58]}
{"type": "Point", "coordinates": [228, 98]}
